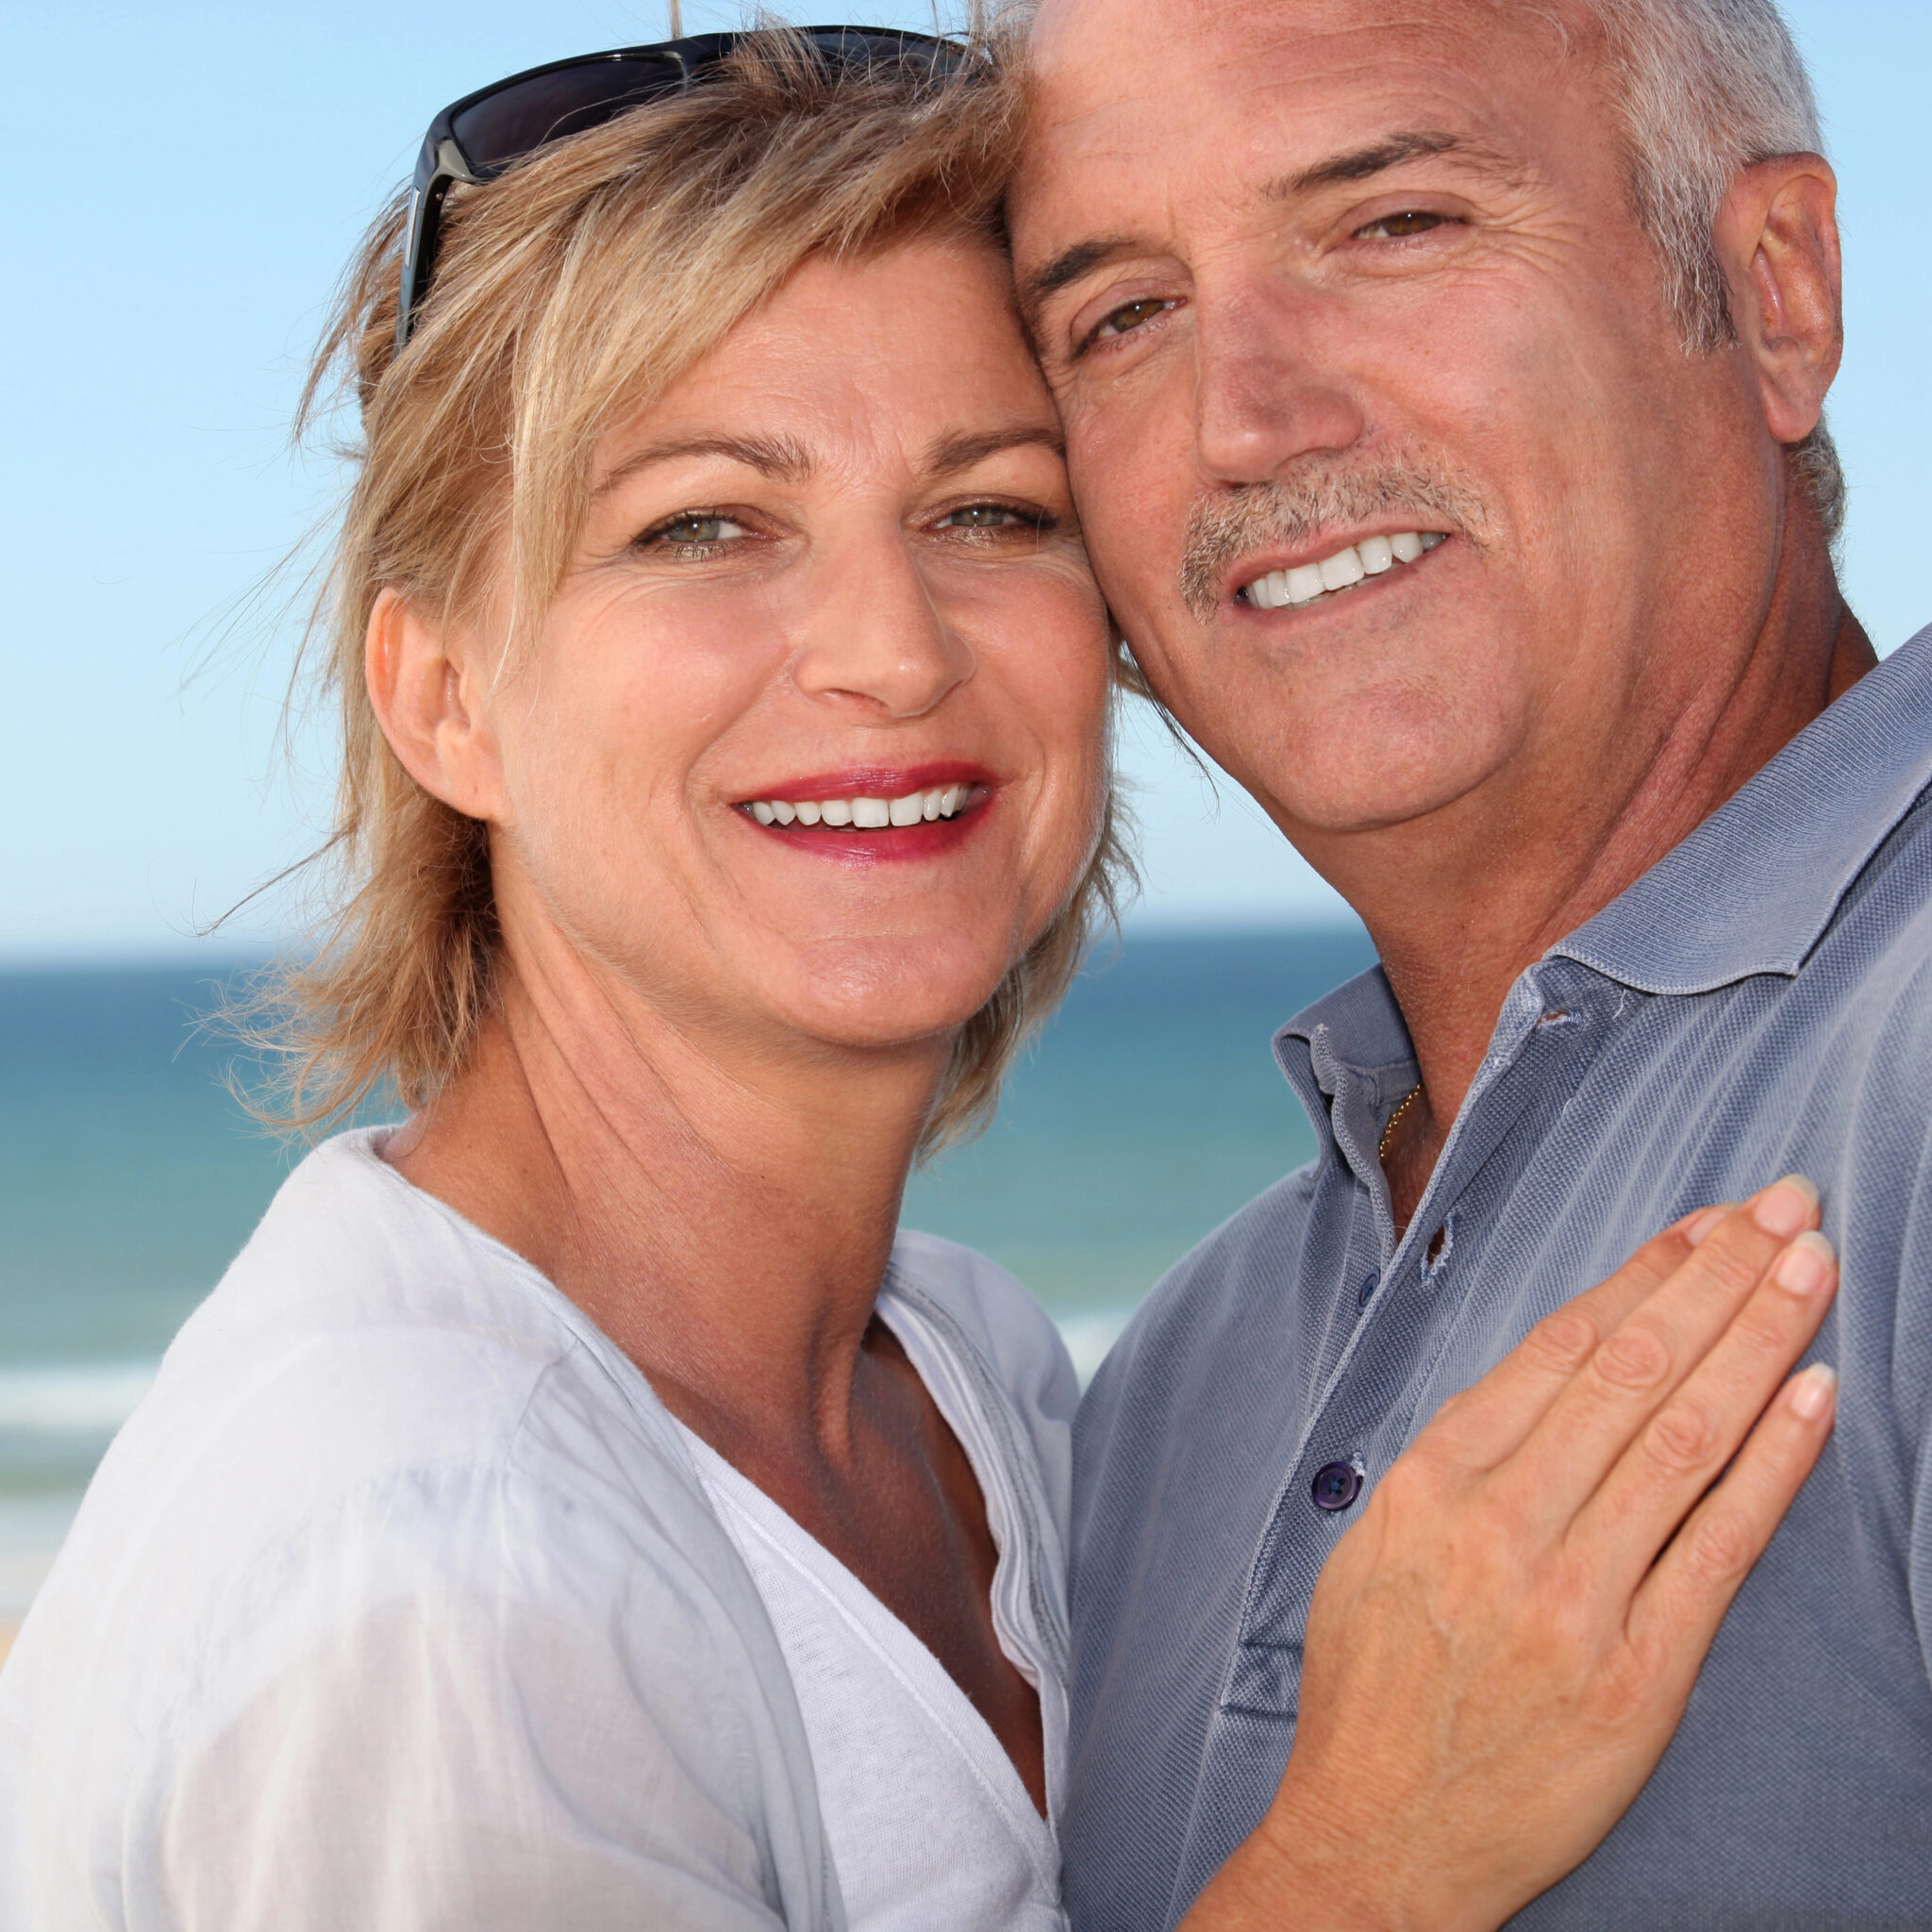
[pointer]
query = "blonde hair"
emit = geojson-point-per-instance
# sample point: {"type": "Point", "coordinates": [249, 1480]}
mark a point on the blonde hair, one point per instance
{"type": "Point", "coordinates": [569, 293]}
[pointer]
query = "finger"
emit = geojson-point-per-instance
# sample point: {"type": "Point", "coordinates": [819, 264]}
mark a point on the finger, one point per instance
{"type": "Point", "coordinates": [1683, 1448]}
{"type": "Point", "coordinates": [1489, 1420]}
{"type": "Point", "coordinates": [1675, 1614]}
{"type": "Point", "coordinates": [1604, 1407]}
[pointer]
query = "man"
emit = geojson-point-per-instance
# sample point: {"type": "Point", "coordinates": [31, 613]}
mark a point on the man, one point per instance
{"type": "Point", "coordinates": [1443, 387]}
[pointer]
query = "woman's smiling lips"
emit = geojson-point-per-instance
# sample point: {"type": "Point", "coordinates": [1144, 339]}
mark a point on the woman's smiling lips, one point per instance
{"type": "Point", "coordinates": [876, 812]}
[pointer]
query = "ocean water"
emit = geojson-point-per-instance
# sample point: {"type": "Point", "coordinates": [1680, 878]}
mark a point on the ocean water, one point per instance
{"type": "Point", "coordinates": [1147, 1113]}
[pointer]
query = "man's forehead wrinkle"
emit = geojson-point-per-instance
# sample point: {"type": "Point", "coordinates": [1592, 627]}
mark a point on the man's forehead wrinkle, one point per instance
{"type": "Point", "coordinates": [1118, 123]}
{"type": "Point", "coordinates": [1400, 73]}
{"type": "Point", "coordinates": [1069, 34]}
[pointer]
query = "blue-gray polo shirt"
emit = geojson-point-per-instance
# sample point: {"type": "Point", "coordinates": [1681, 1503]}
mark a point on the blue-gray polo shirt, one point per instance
{"type": "Point", "coordinates": [1760, 1001]}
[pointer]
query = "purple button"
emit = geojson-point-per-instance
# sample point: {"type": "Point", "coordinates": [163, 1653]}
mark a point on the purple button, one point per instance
{"type": "Point", "coordinates": [1336, 1486]}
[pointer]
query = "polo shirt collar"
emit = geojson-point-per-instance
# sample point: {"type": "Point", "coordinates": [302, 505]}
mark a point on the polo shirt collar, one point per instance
{"type": "Point", "coordinates": [1753, 888]}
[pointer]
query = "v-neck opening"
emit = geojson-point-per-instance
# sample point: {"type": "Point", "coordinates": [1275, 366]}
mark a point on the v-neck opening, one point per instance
{"type": "Point", "coordinates": [886, 1633]}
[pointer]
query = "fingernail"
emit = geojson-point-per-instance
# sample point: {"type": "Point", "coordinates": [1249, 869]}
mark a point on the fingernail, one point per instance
{"type": "Point", "coordinates": [1804, 1267]}
{"type": "Point", "coordinates": [1701, 1226]}
{"type": "Point", "coordinates": [1786, 1206]}
{"type": "Point", "coordinates": [1812, 1392]}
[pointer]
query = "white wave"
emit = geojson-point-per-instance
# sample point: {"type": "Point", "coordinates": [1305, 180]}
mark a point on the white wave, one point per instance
{"type": "Point", "coordinates": [95, 1398]}
{"type": "Point", "coordinates": [90, 1398]}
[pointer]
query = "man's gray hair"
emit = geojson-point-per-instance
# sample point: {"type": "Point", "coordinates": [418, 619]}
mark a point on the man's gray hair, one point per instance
{"type": "Point", "coordinates": [1707, 89]}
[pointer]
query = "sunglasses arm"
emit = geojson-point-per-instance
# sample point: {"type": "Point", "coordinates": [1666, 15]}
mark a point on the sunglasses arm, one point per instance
{"type": "Point", "coordinates": [438, 167]}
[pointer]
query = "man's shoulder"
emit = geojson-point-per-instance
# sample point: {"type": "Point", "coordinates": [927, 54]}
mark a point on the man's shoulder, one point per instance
{"type": "Point", "coordinates": [1862, 998]}
{"type": "Point", "coordinates": [1877, 939]}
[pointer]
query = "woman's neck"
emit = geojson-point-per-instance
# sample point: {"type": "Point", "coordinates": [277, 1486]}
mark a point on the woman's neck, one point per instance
{"type": "Point", "coordinates": [724, 1211]}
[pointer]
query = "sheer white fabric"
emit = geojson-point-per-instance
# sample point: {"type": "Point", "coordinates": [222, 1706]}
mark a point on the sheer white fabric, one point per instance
{"type": "Point", "coordinates": [930, 1828]}
{"type": "Point", "coordinates": [399, 1604]}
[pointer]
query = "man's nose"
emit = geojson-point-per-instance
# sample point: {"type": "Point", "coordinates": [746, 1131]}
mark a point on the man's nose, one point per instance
{"type": "Point", "coordinates": [1267, 391]}
{"type": "Point", "coordinates": [878, 642]}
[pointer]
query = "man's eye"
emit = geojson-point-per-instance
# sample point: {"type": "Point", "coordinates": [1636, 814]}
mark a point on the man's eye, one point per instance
{"type": "Point", "coordinates": [1411, 221]}
{"type": "Point", "coordinates": [1129, 316]}
{"type": "Point", "coordinates": [694, 526]}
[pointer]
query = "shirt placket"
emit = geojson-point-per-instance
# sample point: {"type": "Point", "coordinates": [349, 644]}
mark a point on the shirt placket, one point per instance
{"type": "Point", "coordinates": [1402, 1296]}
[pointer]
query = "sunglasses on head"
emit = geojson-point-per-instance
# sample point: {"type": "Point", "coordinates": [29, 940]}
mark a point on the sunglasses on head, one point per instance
{"type": "Point", "coordinates": [476, 138]}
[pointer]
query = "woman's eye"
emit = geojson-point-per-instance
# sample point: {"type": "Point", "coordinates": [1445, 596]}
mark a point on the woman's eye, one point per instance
{"type": "Point", "coordinates": [1411, 221]}
{"type": "Point", "coordinates": [694, 526]}
{"type": "Point", "coordinates": [983, 516]}
{"type": "Point", "coordinates": [996, 518]}
{"type": "Point", "coordinates": [1129, 316]}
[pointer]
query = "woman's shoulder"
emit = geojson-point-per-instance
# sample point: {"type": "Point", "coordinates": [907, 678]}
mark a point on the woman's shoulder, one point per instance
{"type": "Point", "coordinates": [367, 1327]}
{"type": "Point", "coordinates": [378, 1394]}
{"type": "Point", "coordinates": [384, 1440]}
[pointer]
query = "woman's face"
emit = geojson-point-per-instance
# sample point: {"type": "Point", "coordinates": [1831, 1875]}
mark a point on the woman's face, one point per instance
{"type": "Point", "coordinates": [814, 739]}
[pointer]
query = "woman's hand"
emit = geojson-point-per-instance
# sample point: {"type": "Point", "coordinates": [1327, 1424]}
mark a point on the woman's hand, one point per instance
{"type": "Point", "coordinates": [1500, 1650]}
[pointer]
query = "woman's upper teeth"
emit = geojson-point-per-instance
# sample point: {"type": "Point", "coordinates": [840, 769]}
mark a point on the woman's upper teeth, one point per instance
{"type": "Point", "coordinates": [1368, 558]}
{"type": "Point", "coordinates": [864, 814]}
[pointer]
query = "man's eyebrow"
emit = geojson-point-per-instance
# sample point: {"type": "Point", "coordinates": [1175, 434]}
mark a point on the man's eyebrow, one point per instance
{"type": "Point", "coordinates": [1068, 267]}
{"type": "Point", "coordinates": [961, 450]}
{"type": "Point", "coordinates": [1357, 164]}
{"type": "Point", "coordinates": [777, 455]}
{"type": "Point", "coordinates": [1360, 164]}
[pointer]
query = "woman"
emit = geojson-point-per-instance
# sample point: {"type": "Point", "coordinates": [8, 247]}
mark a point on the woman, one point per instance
{"type": "Point", "coordinates": [579, 1507]}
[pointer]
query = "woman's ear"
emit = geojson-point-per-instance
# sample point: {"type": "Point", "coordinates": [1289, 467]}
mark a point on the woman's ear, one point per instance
{"type": "Point", "coordinates": [1777, 234]}
{"type": "Point", "coordinates": [428, 698]}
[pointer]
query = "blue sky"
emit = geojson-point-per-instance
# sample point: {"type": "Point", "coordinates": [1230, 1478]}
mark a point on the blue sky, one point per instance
{"type": "Point", "coordinates": [187, 181]}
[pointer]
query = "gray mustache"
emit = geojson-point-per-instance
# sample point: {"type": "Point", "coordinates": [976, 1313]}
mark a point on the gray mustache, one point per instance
{"type": "Point", "coordinates": [1288, 511]}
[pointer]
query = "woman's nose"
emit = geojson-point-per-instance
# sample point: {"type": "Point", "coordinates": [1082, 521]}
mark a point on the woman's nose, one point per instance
{"type": "Point", "coordinates": [878, 639]}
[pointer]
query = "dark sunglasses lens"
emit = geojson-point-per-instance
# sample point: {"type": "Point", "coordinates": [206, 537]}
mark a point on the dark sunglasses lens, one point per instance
{"type": "Point", "coordinates": [514, 121]}
{"type": "Point", "coordinates": [858, 46]}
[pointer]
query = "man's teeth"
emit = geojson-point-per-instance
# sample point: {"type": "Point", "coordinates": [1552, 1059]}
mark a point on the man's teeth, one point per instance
{"type": "Point", "coordinates": [1368, 558]}
{"type": "Point", "coordinates": [864, 814]}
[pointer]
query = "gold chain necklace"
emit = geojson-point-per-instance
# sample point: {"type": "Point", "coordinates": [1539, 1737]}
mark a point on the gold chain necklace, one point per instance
{"type": "Point", "coordinates": [1413, 1094]}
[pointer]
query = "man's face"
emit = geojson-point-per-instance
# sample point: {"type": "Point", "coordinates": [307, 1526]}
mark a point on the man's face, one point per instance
{"type": "Point", "coordinates": [1312, 279]}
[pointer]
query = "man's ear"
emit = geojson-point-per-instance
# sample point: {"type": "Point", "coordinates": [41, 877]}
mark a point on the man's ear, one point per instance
{"type": "Point", "coordinates": [1777, 234]}
{"type": "Point", "coordinates": [426, 697]}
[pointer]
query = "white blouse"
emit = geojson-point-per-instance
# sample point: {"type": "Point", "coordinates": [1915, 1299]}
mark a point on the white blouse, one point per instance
{"type": "Point", "coordinates": [401, 1602]}
{"type": "Point", "coordinates": [929, 1825]}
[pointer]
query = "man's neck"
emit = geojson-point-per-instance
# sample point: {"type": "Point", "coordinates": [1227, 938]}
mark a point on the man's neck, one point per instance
{"type": "Point", "coordinates": [1457, 926]}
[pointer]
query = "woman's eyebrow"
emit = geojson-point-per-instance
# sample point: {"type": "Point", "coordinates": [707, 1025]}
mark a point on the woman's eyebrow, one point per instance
{"type": "Point", "coordinates": [960, 449]}
{"type": "Point", "coordinates": [777, 455]}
